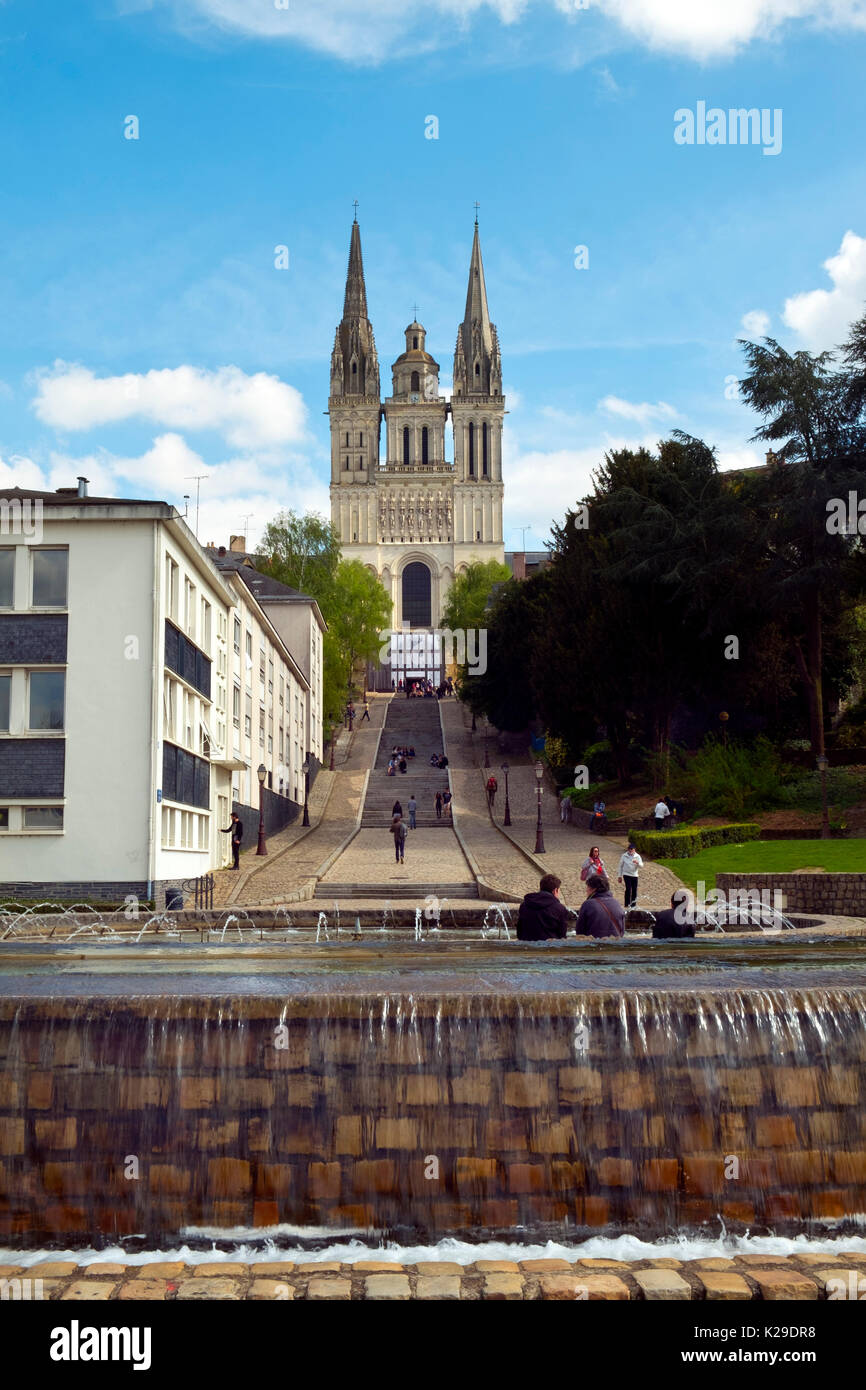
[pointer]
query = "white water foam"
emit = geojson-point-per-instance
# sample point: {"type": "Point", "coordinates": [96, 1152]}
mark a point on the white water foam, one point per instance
{"type": "Point", "coordinates": [260, 1245]}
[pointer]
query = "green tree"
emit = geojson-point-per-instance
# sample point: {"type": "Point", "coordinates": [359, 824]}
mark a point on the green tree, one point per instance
{"type": "Point", "coordinates": [303, 552]}
{"type": "Point", "coordinates": [360, 612]}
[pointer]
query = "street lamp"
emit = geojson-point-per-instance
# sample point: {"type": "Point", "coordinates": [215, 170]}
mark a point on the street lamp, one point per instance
{"type": "Point", "coordinates": [723, 720]}
{"type": "Point", "coordinates": [306, 771]}
{"type": "Point", "coordinates": [507, 820]}
{"type": "Point", "coordinates": [823, 763]}
{"type": "Point", "coordinates": [262, 847]}
{"type": "Point", "coordinates": [539, 830]}
{"type": "Point", "coordinates": [333, 735]}
{"type": "Point", "coordinates": [486, 754]}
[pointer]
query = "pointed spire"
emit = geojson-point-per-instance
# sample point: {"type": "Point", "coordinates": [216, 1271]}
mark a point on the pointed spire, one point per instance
{"type": "Point", "coordinates": [355, 300]}
{"type": "Point", "coordinates": [476, 339]}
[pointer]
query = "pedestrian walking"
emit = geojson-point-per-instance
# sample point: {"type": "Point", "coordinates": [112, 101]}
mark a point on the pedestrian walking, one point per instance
{"type": "Point", "coordinates": [398, 830]}
{"type": "Point", "coordinates": [661, 812]}
{"type": "Point", "coordinates": [412, 807]}
{"type": "Point", "coordinates": [492, 788]}
{"type": "Point", "coordinates": [396, 809]}
{"type": "Point", "coordinates": [592, 864]}
{"type": "Point", "coordinates": [630, 865]}
{"type": "Point", "coordinates": [366, 714]}
{"type": "Point", "coordinates": [235, 828]}
{"type": "Point", "coordinates": [438, 800]}
{"type": "Point", "coordinates": [446, 803]}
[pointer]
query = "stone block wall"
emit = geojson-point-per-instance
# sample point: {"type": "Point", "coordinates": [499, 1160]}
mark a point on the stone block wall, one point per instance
{"type": "Point", "coordinates": [561, 1114]}
{"type": "Point", "coordinates": [842, 895]}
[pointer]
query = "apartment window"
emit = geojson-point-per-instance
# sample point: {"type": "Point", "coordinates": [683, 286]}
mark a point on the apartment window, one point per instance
{"type": "Point", "coordinates": [187, 718]}
{"type": "Point", "coordinates": [47, 689]}
{"type": "Point", "coordinates": [171, 582]}
{"type": "Point", "coordinates": [7, 572]}
{"type": "Point", "coordinates": [248, 718]}
{"type": "Point", "coordinates": [169, 708]}
{"type": "Point", "coordinates": [43, 817]}
{"type": "Point", "coordinates": [270, 678]}
{"type": "Point", "coordinates": [261, 726]}
{"type": "Point", "coordinates": [204, 635]}
{"type": "Point", "coordinates": [5, 692]}
{"type": "Point", "coordinates": [4, 817]}
{"type": "Point", "coordinates": [237, 636]}
{"type": "Point", "coordinates": [167, 827]}
{"type": "Point", "coordinates": [189, 608]}
{"type": "Point", "coordinates": [49, 578]}
{"type": "Point", "coordinates": [282, 743]}
{"type": "Point", "coordinates": [236, 706]}
{"type": "Point", "coordinates": [222, 626]}
{"type": "Point", "coordinates": [248, 647]}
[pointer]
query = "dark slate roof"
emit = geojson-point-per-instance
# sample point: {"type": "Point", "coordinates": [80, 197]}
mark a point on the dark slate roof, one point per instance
{"type": "Point", "coordinates": [261, 586]}
{"type": "Point", "coordinates": [64, 496]}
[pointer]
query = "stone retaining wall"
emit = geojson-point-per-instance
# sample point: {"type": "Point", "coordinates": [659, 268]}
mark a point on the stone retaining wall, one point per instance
{"type": "Point", "coordinates": [562, 1114]}
{"type": "Point", "coordinates": [841, 895]}
{"type": "Point", "coordinates": [805, 1278]}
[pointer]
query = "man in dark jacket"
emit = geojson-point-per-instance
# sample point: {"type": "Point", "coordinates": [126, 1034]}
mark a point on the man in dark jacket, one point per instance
{"type": "Point", "coordinates": [676, 920]}
{"type": "Point", "coordinates": [601, 914]}
{"type": "Point", "coordinates": [236, 830]}
{"type": "Point", "coordinates": [543, 916]}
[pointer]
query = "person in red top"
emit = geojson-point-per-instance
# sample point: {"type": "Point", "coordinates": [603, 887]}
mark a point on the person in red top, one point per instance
{"type": "Point", "coordinates": [492, 788]}
{"type": "Point", "coordinates": [592, 864]}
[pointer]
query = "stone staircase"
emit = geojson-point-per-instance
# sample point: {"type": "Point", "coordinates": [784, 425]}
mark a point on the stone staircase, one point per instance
{"type": "Point", "coordinates": [414, 723]}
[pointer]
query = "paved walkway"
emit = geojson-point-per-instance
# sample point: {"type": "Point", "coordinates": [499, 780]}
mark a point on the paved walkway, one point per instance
{"type": "Point", "coordinates": [566, 846]}
{"type": "Point", "coordinates": [296, 853]}
{"type": "Point", "coordinates": [432, 857]}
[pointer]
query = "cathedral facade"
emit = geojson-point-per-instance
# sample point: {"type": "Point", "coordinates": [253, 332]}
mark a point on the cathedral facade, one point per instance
{"type": "Point", "coordinates": [415, 517]}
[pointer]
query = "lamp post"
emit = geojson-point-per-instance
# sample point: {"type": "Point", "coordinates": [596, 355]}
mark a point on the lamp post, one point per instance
{"type": "Point", "coordinates": [507, 820]}
{"type": "Point", "coordinates": [539, 829]}
{"type": "Point", "coordinates": [333, 735]}
{"type": "Point", "coordinates": [262, 847]}
{"type": "Point", "coordinates": [723, 720]}
{"type": "Point", "coordinates": [486, 753]}
{"type": "Point", "coordinates": [306, 771]}
{"type": "Point", "coordinates": [823, 763]}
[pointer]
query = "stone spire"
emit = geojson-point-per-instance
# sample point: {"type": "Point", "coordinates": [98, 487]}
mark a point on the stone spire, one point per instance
{"type": "Point", "coordinates": [354, 361]}
{"type": "Point", "coordinates": [477, 365]}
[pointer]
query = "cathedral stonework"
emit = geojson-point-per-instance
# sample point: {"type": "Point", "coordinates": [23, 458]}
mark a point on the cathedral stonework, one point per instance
{"type": "Point", "coordinates": [414, 517]}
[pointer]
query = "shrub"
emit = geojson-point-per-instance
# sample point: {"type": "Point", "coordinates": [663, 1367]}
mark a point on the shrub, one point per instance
{"type": "Point", "coordinates": [682, 844]}
{"type": "Point", "coordinates": [736, 779]}
{"type": "Point", "coordinates": [598, 757]}
{"type": "Point", "coordinates": [585, 797]}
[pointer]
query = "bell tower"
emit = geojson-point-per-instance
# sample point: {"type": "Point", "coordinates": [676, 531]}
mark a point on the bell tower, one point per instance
{"type": "Point", "coordinates": [353, 403]}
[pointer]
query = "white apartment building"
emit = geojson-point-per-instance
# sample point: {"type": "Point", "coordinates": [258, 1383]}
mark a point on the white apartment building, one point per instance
{"type": "Point", "coordinates": [141, 688]}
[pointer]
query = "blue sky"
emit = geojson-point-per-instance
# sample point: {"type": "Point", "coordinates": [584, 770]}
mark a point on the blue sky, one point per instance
{"type": "Point", "coordinates": [148, 335]}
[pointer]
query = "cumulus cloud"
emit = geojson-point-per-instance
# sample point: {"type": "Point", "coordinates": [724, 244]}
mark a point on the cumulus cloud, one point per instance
{"type": "Point", "coordinates": [642, 414]}
{"type": "Point", "coordinates": [755, 323]}
{"type": "Point", "coordinates": [821, 318]}
{"type": "Point", "coordinates": [248, 411]}
{"type": "Point", "coordinates": [374, 30]}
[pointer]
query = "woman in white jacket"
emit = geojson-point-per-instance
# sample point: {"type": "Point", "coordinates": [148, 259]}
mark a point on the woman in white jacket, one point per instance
{"type": "Point", "coordinates": [630, 866]}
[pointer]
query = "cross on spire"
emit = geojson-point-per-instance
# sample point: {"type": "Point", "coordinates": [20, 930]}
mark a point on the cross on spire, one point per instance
{"type": "Point", "coordinates": [415, 311]}
{"type": "Point", "coordinates": [355, 206]}
{"type": "Point", "coordinates": [477, 206]}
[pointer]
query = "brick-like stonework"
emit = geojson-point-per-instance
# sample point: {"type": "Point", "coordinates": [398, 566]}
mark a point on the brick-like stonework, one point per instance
{"type": "Point", "coordinates": [593, 1112]}
{"type": "Point", "coordinates": [840, 895]}
{"type": "Point", "coordinates": [32, 766]}
{"type": "Point", "coordinates": [809, 1278]}
{"type": "Point", "coordinates": [33, 639]}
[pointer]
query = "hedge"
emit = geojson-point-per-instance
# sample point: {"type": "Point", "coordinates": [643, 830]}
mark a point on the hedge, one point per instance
{"type": "Point", "coordinates": [682, 844]}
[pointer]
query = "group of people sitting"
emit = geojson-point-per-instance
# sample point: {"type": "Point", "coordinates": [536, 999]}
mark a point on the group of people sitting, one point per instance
{"type": "Point", "coordinates": [543, 916]}
{"type": "Point", "coordinates": [397, 761]}
{"type": "Point", "coordinates": [438, 760]}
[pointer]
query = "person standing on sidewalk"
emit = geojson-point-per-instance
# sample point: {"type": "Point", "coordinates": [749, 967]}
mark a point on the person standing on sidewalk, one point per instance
{"type": "Point", "coordinates": [446, 802]}
{"type": "Point", "coordinates": [398, 830]}
{"type": "Point", "coordinates": [412, 807]}
{"type": "Point", "coordinates": [630, 865]}
{"type": "Point", "coordinates": [235, 828]}
{"type": "Point", "coordinates": [492, 788]}
{"type": "Point", "coordinates": [366, 714]}
{"type": "Point", "coordinates": [438, 800]}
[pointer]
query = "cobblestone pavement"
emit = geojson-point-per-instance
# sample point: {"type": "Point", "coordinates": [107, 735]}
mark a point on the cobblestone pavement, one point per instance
{"type": "Point", "coordinates": [775, 1278]}
{"type": "Point", "coordinates": [432, 857]}
{"type": "Point", "coordinates": [296, 853]}
{"type": "Point", "coordinates": [498, 857]}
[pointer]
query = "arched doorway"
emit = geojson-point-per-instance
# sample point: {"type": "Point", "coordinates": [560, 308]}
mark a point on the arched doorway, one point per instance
{"type": "Point", "coordinates": [417, 600]}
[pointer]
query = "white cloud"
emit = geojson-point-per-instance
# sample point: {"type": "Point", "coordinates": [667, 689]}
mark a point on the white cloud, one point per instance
{"type": "Point", "coordinates": [363, 31]}
{"type": "Point", "coordinates": [717, 28]}
{"type": "Point", "coordinates": [755, 323]}
{"type": "Point", "coordinates": [248, 411]}
{"type": "Point", "coordinates": [738, 458]}
{"type": "Point", "coordinates": [643, 414]}
{"type": "Point", "coordinates": [821, 318]}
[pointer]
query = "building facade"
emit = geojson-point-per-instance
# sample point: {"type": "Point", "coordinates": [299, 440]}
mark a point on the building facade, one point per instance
{"type": "Point", "coordinates": [142, 686]}
{"type": "Point", "coordinates": [415, 517]}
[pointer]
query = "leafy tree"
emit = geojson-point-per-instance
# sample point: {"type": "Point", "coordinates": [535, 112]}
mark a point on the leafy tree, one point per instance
{"type": "Point", "coordinates": [469, 595]}
{"type": "Point", "coordinates": [360, 611]}
{"type": "Point", "coordinates": [303, 552]}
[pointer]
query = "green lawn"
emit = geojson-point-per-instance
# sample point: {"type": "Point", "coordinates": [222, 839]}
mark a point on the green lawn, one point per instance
{"type": "Point", "coordinates": [770, 856]}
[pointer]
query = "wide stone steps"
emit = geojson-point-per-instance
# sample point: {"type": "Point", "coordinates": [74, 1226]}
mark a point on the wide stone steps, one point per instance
{"type": "Point", "coordinates": [412, 723]}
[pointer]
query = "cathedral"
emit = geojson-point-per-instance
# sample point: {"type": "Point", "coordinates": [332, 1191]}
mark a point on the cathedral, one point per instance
{"type": "Point", "coordinates": [414, 517]}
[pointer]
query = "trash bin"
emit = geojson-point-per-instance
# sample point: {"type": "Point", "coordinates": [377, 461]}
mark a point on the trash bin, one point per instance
{"type": "Point", "coordinates": [173, 899]}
